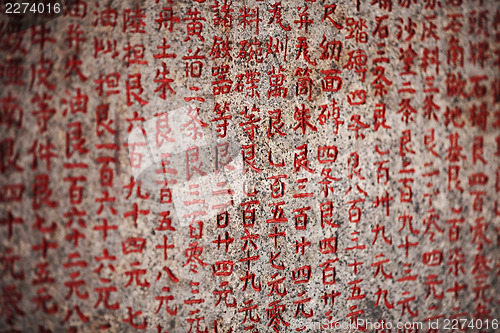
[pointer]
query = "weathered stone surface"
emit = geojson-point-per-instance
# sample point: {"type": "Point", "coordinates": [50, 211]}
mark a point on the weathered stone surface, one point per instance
{"type": "Point", "coordinates": [374, 125]}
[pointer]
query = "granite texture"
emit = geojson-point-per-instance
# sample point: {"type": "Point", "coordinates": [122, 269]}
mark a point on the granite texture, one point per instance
{"type": "Point", "coordinates": [374, 126]}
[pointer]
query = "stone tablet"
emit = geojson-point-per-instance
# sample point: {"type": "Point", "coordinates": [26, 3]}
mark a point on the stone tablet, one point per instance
{"type": "Point", "coordinates": [250, 166]}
